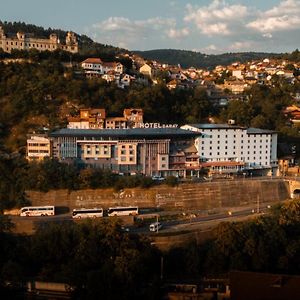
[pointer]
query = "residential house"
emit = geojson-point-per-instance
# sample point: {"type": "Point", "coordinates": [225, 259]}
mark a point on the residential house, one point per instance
{"type": "Point", "coordinates": [93, 67]}
{"type": "Point", "coordinates": [147, 70]}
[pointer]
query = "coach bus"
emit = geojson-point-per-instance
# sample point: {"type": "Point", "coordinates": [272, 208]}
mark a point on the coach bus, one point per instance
{"type": "Point", "coordinates": [79, 213]}
{"type": "Point", "coordinates": [37, 211]}
{"type": "Point", "coordinates": [123, 211]}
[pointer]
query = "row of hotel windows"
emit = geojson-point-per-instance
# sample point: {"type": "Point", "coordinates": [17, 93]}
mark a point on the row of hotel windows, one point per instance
{"type": "Point", "coordinates": [233, 153]}
{"type": "Point", "coordinates": [234, 141]}
{"type": "Point", "coordinates": [210, 130]}
{"type": "Point", "coordinates": [225, 147]}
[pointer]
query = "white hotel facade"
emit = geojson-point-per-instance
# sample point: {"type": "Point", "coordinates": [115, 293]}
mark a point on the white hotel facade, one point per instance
{"type": "Point", "coordinates": [228, 149]}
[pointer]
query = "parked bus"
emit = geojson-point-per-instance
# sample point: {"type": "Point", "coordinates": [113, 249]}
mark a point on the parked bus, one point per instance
{"type": "Point", "coordinates": [155, 226]}
{"type": "Point", "coordinates": [79, 213]}
{"type": "Point", "coordinates": [123, 211]}
{"type": "Point", "coordinates": [37, 211]}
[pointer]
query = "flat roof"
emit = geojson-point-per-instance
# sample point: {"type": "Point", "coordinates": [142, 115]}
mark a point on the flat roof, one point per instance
{"type": "Point", "coordinates": [250, 130]}
{"type": "Point", "coordinates": [125, 133]}
{"type": "Point", "coordinates": [215, 126]}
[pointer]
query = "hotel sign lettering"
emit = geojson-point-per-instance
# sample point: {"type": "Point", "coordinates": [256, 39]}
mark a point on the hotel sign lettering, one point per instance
{"type": "Point", "coordinates": [156, 125]}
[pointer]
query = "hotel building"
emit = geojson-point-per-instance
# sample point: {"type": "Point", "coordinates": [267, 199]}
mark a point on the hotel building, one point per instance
{"type": "Point", "coordinates": [228, 149]}
{"type": "Point", "coordinates": [152, 151]}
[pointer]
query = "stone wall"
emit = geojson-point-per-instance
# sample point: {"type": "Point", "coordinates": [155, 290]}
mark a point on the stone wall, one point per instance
{"type": "Point", "coordinates": [207, 195]}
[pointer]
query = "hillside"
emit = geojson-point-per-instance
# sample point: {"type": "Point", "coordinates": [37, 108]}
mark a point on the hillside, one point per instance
{"type": "Point", "coordinates": [196, 59]}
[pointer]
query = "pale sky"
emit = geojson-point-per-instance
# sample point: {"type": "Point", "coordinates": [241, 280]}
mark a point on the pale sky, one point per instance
{"type": "Point", "coordinates": [206, 26]}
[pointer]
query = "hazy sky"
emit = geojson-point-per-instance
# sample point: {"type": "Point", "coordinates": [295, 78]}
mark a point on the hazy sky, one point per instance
{"type": "Point", "coordinates": [206, 26]}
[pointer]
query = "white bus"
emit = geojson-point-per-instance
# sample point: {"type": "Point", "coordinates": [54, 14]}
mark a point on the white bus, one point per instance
{"type": "Point", "coordinates": [79, 213]}
{"type": "Point", "coordinates": [155, 226]}
{"type": "Point", "coordinates": [37, 211]}
{"type": "Point", "coordinates": [123, 211]}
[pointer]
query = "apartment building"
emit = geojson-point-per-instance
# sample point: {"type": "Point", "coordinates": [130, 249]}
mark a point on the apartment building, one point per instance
{"type": "Point", "coordinates": [38, 147]}
{"type": "Point", "coordinates": [95, 118]}
{"type": "Point", "coordinates": [26, 41]}
{"type": "Point", "coordinates": [227, 148]}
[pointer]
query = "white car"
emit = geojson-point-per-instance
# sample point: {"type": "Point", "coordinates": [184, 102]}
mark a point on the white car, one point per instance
{"type": "Point", "coordinates": [159, 178]}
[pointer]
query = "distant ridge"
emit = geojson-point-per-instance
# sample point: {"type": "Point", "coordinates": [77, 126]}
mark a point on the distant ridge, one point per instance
{"type": "Point", "coordinates": [196, 59]}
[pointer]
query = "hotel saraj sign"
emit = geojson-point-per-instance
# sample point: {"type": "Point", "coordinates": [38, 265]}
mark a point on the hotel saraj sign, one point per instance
{"type": "Point", "coordinates": [156, 125]}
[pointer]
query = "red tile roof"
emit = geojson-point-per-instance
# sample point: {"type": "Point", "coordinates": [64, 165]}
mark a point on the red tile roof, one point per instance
{"type": "Point", "coordinates": [92, 61]}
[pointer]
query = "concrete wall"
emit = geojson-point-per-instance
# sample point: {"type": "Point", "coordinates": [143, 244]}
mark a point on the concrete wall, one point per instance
{"type": "Point", "coordinates": [210, 195]}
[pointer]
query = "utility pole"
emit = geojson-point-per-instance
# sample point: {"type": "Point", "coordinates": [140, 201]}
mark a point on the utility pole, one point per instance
{"type": "Point", "coordinates": [157, 223]}
{"type": "Point", "coordinates": [258, 204]}
{"type": "Point", "coordinates": [161, 268]}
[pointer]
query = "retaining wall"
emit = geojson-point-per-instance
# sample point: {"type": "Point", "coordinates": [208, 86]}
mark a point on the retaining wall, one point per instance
{"type": "Point", "coordinates": [207, 195]}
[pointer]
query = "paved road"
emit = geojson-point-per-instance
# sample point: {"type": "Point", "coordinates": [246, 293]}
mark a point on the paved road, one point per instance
{"type": "Point", "coordinates": [192, 220]}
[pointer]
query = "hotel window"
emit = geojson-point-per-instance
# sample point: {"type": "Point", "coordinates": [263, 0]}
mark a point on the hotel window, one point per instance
{"type": "Point", "coordinates": [163, 158]}
{"type": "Point", "coordinates": [123, 152]}
{"type": "Point", "coordinates": [163, 165]}
{"type": "Point", "coordinates": [123, 158]}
